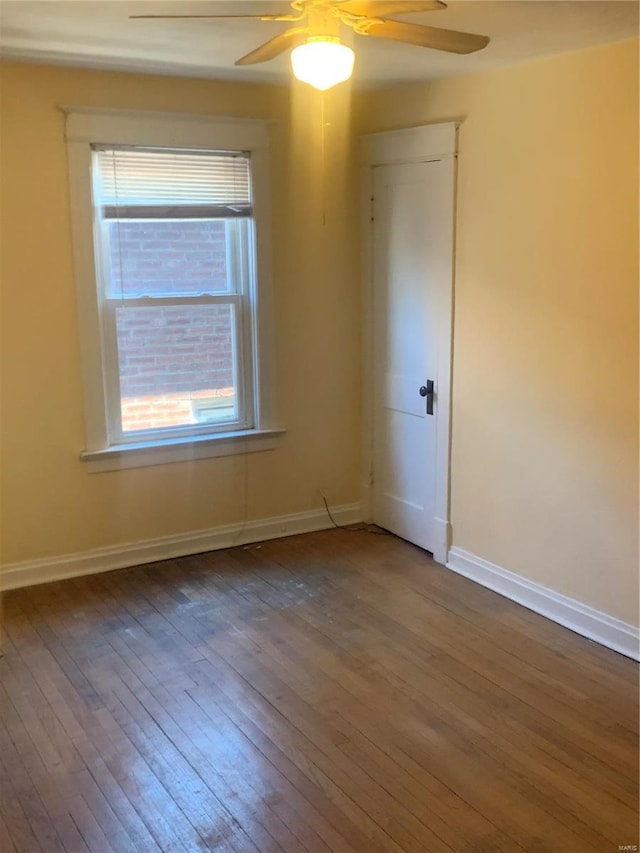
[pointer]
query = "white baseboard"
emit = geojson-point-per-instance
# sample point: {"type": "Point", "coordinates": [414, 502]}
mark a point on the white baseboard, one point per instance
{"type": "Point", "coordinates": [30, 572]}
{"type": "Point", "coordinates": [604, 629]}
{"type": "Point", "coordinates": [442, 530]}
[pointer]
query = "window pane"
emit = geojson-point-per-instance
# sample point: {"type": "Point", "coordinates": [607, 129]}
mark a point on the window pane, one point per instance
{"type": "Point", "coordinates": [177, 366]}
{"type": "Point", "coordinates": [160, 257]}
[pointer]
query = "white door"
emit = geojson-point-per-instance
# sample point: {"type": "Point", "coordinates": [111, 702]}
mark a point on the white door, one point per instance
{"type": "Point", "coordinates": [412, 281]}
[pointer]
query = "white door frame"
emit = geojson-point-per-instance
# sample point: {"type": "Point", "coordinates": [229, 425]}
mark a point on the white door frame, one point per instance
{"type": "Point", "coordinates": [412, 145]}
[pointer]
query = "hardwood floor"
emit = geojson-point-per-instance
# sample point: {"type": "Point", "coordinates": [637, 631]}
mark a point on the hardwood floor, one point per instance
{"type": "Point", "coordinates": [330, 692]}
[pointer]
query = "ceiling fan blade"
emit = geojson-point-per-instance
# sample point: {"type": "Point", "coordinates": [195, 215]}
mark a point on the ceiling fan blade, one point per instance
{"type": "Point", "coordinates": [274, 47]}
{"type": "Point", "coordinates": [381, 8]}
{"type": "Point", "coordinates": [228, 17]}
{"type": "Point", "coordinates": [434, 37]}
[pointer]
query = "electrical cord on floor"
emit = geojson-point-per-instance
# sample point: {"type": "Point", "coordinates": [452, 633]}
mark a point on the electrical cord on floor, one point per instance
{"type": "Point", "coordinates": [355, 528]}
{"type": "Point", "coordinates": [237, 539]}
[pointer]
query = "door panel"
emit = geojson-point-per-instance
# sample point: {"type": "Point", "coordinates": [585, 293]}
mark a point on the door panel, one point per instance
{"type": "Point", "coordinates": [400, 394]}
{"type": "Point", "coordinates": [412, 244]}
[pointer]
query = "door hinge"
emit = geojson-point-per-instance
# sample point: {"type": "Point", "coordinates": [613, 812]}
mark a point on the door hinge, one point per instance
{"type": "Point", "coordinates": [372, 209]}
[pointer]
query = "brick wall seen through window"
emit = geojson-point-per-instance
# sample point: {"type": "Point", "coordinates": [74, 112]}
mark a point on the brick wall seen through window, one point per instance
{"type": "Point", "coordinates": [176, 362]}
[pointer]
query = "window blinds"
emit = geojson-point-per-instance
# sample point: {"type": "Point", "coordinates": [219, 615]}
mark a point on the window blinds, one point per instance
{"type": "Point", "coordinates": [137, 183]}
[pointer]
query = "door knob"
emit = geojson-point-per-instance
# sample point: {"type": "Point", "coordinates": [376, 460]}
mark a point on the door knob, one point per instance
{"type": "Point", "coordinates": [427, 391]}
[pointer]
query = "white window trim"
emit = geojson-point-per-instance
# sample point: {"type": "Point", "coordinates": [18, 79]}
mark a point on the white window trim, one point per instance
{"type": "Point", "coordinates": [143, 453]}
{"type": "Point", "coordinates": [85, 127]}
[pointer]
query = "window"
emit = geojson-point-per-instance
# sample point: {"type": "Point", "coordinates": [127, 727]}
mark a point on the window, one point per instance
{"type": "Point", "coordinates": [172, 285]}
{"type": "Point", "coordinates": [174, 232]}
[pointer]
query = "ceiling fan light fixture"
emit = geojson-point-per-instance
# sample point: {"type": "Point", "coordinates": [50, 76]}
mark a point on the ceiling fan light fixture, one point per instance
{"type": "Point", "coordinates": [322, 61]}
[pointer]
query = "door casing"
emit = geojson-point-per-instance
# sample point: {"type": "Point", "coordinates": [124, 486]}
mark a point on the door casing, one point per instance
{"type": "Point", "coordinates": [411, 145]}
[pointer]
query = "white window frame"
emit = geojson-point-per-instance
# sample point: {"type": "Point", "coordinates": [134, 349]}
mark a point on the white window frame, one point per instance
{"type": "Point", "coordinates": [88, 127]}
{"type": "Point", "coordinates": [239, 233]}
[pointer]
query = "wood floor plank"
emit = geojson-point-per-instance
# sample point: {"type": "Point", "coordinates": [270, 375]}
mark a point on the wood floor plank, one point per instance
{"type": "Point", "coordinates": [286, 630]}
{"type": "Point", "coordinates": [392, 826]}
{"type": "Point", "coordinates": [311, 798]}
{"type": "Point", "coordinates": [229, 800]}
{"type": "Point", "coordinates": [32, 795]}
{"type": "Point", "coordinates": [448, 833]}
{"type": "Point", "coordinates": [204, 813]}
{"type": "Point", "coordinates": [448, 714]}
{"type": "Point", "coordinates": [432, 685]}
{"type": "Point", "coordinates": [15, 818]}
{"type": "Point", "coordinates": [336, 692]}
{"type": "Point", "coordinates": [365, 698]}
{"type": "Point", "coordinates": [6, 842]}
{"type": "Point", "coordinates": [306, 804]}
{"type": "Point", "coordinates": [92, 833]}
{"type": "Point", "coordinates": [440, 634]}
{"type": "Point", "coordinates": [138, 834]}
{"type": "Point", "coordinates": [163, 817]}
{"type": "Point", "coordinates": [246, 782]}
{"type": "Point", "coordinates": [396, 640]}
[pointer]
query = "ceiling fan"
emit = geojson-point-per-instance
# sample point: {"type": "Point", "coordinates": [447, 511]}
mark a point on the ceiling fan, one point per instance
{"type": "Point", "coordinates": [320, 58]}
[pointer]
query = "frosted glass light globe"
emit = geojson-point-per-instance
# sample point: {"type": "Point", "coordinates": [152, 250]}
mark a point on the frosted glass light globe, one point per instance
{"type": "Point", "coordinates": [322, 61]}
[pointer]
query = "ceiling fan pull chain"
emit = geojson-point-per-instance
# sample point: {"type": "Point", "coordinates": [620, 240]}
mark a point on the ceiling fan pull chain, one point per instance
{"type": "Point", "coordinates": [323, 95]}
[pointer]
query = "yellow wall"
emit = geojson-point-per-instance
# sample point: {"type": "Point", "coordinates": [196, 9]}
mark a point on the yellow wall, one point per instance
{"type": "Point", "coordinates": [51, 505]}
{"type": "Point", "coordinates": [545, 403]}
{"type": "Point", "coordinates": [545, 462]}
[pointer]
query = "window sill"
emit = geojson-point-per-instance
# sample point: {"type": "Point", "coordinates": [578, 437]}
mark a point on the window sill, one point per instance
{"type": "Point", "coordinates": [144, 453]}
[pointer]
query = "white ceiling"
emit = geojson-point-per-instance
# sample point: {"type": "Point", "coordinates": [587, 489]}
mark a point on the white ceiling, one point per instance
{"type": "Point", "coordinates": [99, 34]}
